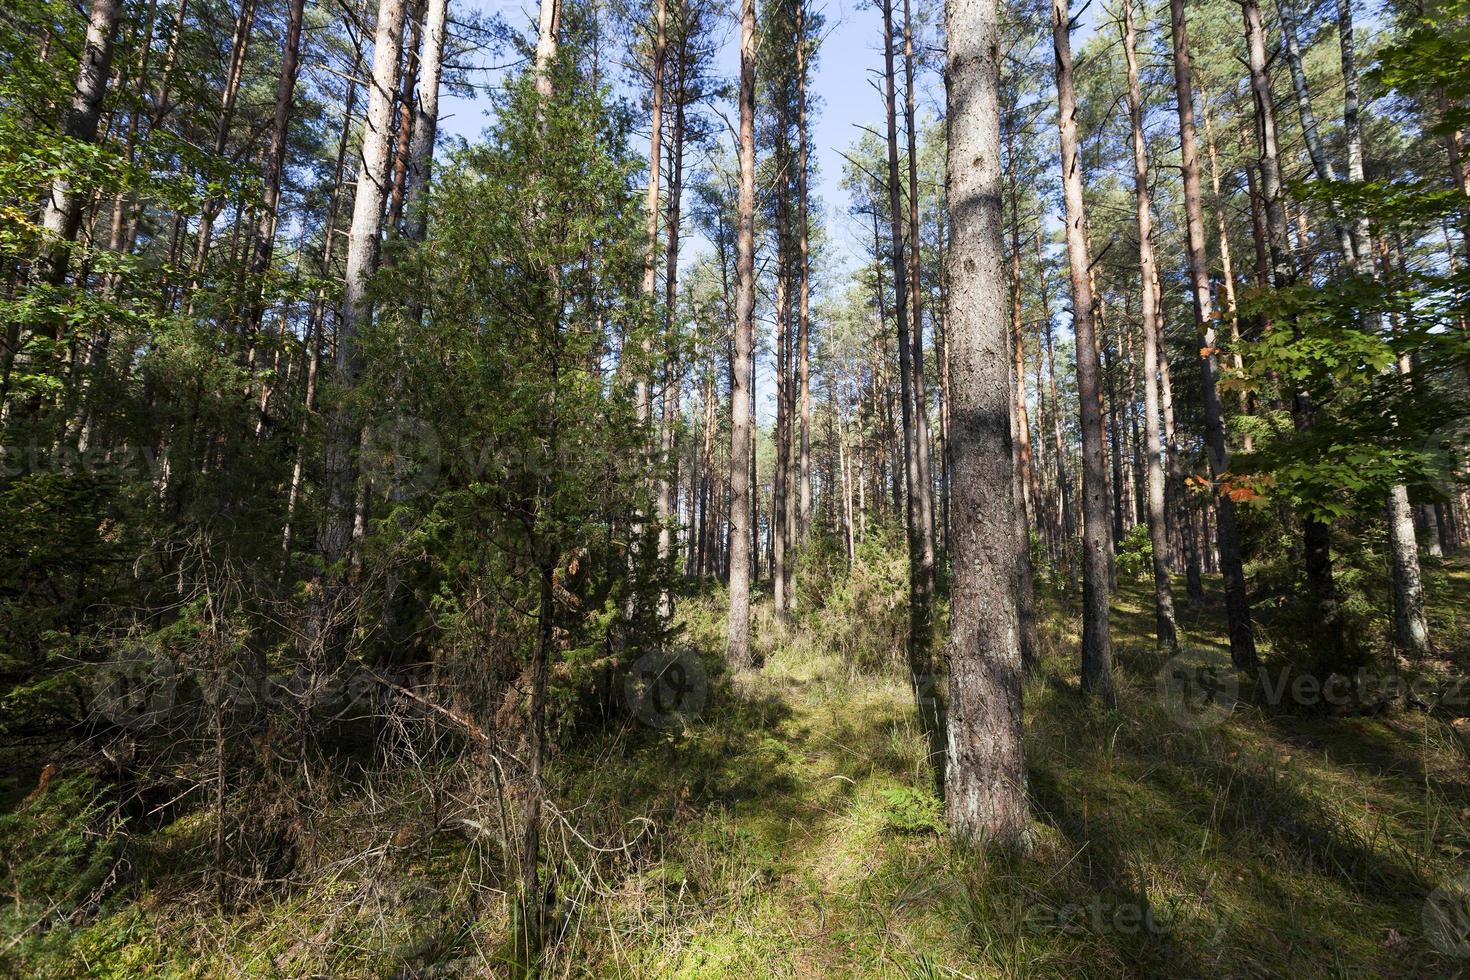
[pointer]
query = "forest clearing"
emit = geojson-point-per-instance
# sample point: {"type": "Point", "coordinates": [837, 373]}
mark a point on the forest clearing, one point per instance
{"type": "Point", "coordinates": [661, 488]}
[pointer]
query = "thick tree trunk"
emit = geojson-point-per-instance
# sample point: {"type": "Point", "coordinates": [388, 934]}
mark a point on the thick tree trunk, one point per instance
{"type": "Point", "coordinates": [1237, 604]}
{"type": "Point", "coordinates": [1165, 629]}
{"type": "Point", "coordinates": [1097, 647]}
{"type": "Point", "coordinates": [740, 389]}
{"type": "Point", "coordinates": [985, 788]}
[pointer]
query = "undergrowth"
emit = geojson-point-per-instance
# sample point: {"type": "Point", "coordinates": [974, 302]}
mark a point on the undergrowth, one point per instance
{"type": "Point", "coordinates": [785, 829]}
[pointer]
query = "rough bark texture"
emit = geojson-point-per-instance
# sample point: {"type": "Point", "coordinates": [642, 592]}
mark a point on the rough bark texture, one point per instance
{"type": "Point", "coordinates": [362, 259]}
{"type": "Point", "coordinates": [740, 387]}
{"type": "Point", "coordinates": [1097, 647]}
{"type": "Point", "coordinates": [985, 786]}
{"type": "Point", "coordinates": [1237, 605]}
{"type": "Point", "coordinates": [62, 217]}
{"type": "Point", "coordinates": [1165, 630]}
{"type": "Point", "coordinates": [425, 120]}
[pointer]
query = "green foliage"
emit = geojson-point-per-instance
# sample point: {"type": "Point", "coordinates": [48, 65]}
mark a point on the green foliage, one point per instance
{"type": "Point", "coordinates": [57, 851]}
{"type": "Point", "coordinates": [1135, 552]}
{"type": "Point", "coordinates": [858, 612]}
{"type": "Point", "coordinates": [913, 811]}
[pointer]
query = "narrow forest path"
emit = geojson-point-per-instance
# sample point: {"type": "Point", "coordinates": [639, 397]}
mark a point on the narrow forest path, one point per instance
{"type": "Point", "coordinates": [810, 841]}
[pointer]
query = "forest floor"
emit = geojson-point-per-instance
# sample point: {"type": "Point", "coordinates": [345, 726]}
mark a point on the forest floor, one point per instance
{"type": "Point", "coordinates": [787, 831]}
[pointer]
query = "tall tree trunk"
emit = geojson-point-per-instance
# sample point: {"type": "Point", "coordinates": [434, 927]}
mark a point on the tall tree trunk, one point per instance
{"type": "Point", "coordinates": [803, 228]}
{"type": "Point", "coordinates": [62, 218]}
{"type": "Point", "coordinates": [1316, 533]}
{"type": "Point", "coordinates": [403, 136]}
{"type": "Point", "coordinates": [655, 149]}
{"type": "Point", "coordinates": [1165, 629]}
{"type": "Point", "coordinates": [1227, 266]}
{"type": "Point", "coordinates": [425, 121]}
{"type": "Point", "coordinates": [1021, 426]}
{"type": "Point", "coordinates": [343, 432]}
{"type": "Point", "coordinates": [530, 935]}
{"type": "Point", "coordinates": [985, 787]}
{"type": "Point", "coordinates": [1411, 624]}
{"type": "Point", "coordinates": [1067, 524]}
{"type": "Point", "coordinates": [921, 667]}
{"type": "Point", "coordinates": [1097, 647]}
{"type": "Point", "coordinates": [275, 160]}
{"type": "Point", "coordinates": [1237, 604]}
{"type": "Point", "coordinates": [740, 389]}
{"type": "Point", "coordinates": [1321, 162]}
{"type": "Point", "coordinates": [239, 49]}
{"type": "Point", "coordinates": [924, 499]}
{"type": "Point", "coordinates": [668, 453]}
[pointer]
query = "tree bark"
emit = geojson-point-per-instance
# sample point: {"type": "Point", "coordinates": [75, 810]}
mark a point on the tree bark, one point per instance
{"type": "Point", "coordinates": [1097, 647]}
{"type": "Point", "coordinates": [921, 667]}
{"type": "Point", "coordinates": [924, 498]}
{"type": "Point", "coordinates": [803, 331]}
{"type": "Point", "coordinates": [1237, 604]}
{"type": "Point", "coordinates": [425, 121]}
{"type": "Point", "coordinates": [655, 149]}
{"type": "Point", "coordinates": [740, 389]}
{"type": "Point", "coordinates": [1165, 629]}
{"type": "Point", "coordinates": [363, 236]}
{"type": "Point", "coordinates": [62, 218]}
{"type": "Point", "coordinates": [985, 783]}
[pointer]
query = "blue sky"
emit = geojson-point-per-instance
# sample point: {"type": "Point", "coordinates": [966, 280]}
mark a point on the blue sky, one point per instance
{"type": "Point", "coordinates": [842, 84]}
{"type": "Point", "coordinates": [846, 99]}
